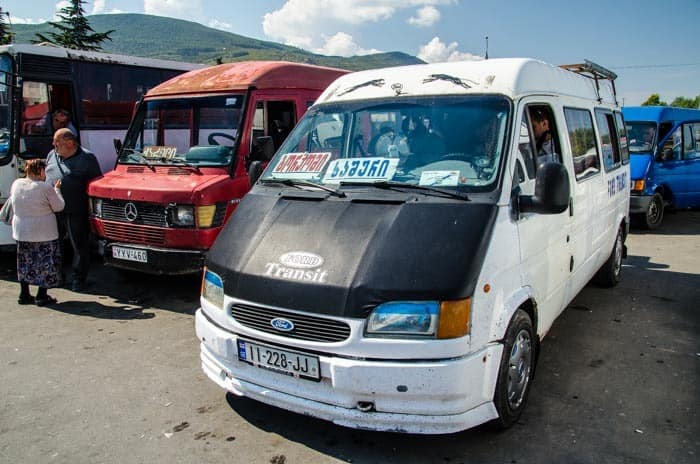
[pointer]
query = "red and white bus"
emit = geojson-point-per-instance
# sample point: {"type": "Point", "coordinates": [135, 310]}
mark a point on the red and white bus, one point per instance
{"type": "Point", "coordinates": [98, 90]}
{"type": "Point", "coordinates": [195, 146]}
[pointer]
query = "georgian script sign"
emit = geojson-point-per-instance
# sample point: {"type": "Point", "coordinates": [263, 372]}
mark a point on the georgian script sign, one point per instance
{"type": "Point", "coordinates": [157, 152]}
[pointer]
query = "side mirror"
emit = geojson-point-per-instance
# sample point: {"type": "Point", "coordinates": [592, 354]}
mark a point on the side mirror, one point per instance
{"type": "Point", "coordinates": [117, 145]}
{"type": "Point", "coordinates": [254, 171]}
{"type": "Point", "coordinates": [552, 191]}
{"type": "Point", "coordinates": [265, 149]}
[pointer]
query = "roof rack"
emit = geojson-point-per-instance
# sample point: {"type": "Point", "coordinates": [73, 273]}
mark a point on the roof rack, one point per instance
{"type": "Point", "coordinates": [596, 72]}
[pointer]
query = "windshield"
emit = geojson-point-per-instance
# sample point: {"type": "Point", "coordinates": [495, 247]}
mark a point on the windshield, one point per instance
{"type": "Point", "coordinates": [453, 142]}
{"type": "Point", "coordinates": [5, 99]}
{"type": "Point", "coordinates": [642, 136]}
{"type": "Point", "coordinates": [191, 131]}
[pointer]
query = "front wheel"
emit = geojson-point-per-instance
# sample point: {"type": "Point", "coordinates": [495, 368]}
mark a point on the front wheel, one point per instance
{"type": "Point", "coordinates": [516, 371]}
{"type": "Point", "coordinates": [655, 212]}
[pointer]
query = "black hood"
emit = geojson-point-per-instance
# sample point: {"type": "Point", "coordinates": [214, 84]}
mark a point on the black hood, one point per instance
{"type": "Point", "coordinates": [370, 251]}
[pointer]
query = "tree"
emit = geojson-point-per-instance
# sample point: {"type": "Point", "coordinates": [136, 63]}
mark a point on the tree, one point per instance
{"type": "Point", "coordinates": [682, 102]}
{"type": "Point", "coordinates": [74, 30]}
{"type": "Point", "coordinates": [654, 100]}
{"type": "Point", "coordinates": [6, 36]}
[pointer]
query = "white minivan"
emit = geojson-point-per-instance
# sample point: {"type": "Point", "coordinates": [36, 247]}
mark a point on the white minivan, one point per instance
{"type": "Point", "coordinates": [414, 238]}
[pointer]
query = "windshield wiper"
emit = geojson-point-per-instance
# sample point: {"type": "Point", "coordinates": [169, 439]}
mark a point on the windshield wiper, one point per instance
{"type": "Point", "coordinates": [141, 158]}
{"type": "Point", "coordinates": [185, 164]}
{"type": "Point", "coordinates": [446, 77]}
{"type": "Point", "coordinates": [304, 183]}
{"type": "Point", "coordinates": [386, 184]}
{"type": "Point", "coordinates": [373, 82]}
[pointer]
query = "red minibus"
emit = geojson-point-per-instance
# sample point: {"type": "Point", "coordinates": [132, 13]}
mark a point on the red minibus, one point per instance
{"type": "Point", "coordinates": [195, 146]}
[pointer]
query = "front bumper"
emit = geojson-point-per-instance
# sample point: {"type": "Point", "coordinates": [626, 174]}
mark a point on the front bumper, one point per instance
{"type": "Point", "coordinates": [639, 204]}
{"type": "Point", "coordinates": [417, 396]}
{"type": "Point", "coordinates": [159, 260]}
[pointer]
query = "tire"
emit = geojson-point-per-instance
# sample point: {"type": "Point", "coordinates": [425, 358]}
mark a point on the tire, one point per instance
{"type": "Point", "coordinates": [610, 273]}
{"type": "Point", "coordinates": [655, 212]}
{"type": "Point", "coordinates": [516, 370]}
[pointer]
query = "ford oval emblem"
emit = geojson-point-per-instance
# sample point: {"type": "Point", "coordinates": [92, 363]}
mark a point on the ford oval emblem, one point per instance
{"type": "Point", "coordinates": [301, 260]}
{"type": "Point", "coordinates": [283, 325]}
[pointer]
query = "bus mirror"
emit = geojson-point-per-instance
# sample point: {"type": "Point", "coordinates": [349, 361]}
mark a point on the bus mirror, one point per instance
{"type": "Point", "coordinates": [265, 149]}
{"type": "Point", "coordinates": [552, 191]}
{"type": "Point", "coordinates": [117, 145]}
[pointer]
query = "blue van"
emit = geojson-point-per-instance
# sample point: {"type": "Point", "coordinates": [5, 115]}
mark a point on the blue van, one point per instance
{"type": "Point", "coordinates": [665, 167]}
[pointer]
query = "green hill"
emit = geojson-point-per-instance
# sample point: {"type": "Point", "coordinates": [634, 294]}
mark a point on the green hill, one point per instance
{"type": "Point", "coordinates": [175, 39]}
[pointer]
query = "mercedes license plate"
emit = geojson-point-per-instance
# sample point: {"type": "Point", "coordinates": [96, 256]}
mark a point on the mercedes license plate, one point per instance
{"type": "Point", "coordinates": [283, 361]}
{"type": "Point", "coordinates": [129, 254]}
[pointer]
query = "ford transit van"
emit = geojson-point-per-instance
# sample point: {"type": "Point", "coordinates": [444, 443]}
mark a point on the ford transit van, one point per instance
{"type": "Point", "coordinates": [412, 241]}
{"type": "Point", "coordinates": [665, 168]}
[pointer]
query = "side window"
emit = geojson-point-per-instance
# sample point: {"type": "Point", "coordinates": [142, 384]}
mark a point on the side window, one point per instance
{"type": "Point", "coordinates": [544, 134]}
{"type": "Point", "coordinates": [273, 118]}
{"type": "Point", "coordinates": [608, 139]}
{"type": "Point", "coordinates": [35, 114]}
{"type": "Point", "coordinates": [622, 137]}
{"type": "Point", "coordinates": [671, 150]}
{"type": "Point", "coordinates": [584, 151]}
{"type": "Point", "coordinates": [526, 158]}
{"type": "Point", "coordinates": [696, 137]}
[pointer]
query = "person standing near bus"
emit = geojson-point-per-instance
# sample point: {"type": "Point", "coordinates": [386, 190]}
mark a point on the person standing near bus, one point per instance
{"type": "Point", "coordinates": [75, 167]}
{"type": "Point", "coordinates": [34, 204]}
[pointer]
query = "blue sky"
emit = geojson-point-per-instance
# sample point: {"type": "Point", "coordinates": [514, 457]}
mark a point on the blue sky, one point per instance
{"type": "Point", "coordinates": [653, 46]}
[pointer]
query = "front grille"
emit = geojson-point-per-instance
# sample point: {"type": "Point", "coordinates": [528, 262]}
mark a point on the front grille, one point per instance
{"type": "Point", "coordinates": [149, 214]}
{"type": "Point", "coordinates": [131, 233]}
{"type": "Point", "coordinates": [312, 328]}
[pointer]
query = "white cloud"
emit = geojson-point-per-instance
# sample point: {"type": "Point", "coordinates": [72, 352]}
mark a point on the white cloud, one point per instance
{"type": "Point", "coordinates": [216, 24]}
{"type": "Point", "coordinates": [342, 44]}
{"type": "Point", "coordinates": [98, 6]}
{"type": "Point", "coordinates": [16, 20]}
{"type": "Point", "coordinates": [190, 10]}
{"type": "Point", "coordinates": [303, 23]}
{"type": "Point", "coordinates": [59, 6]}
{"type": "Point", "coordinates": [436, 51]}
{"type": "Point", "coordinates": [425, 17]}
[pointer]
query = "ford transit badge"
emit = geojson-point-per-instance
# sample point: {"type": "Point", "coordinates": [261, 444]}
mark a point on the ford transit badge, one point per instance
{"type": "Point", "coordinates": [301, 260]}
{"type": "Point", "coordinates": [283, 325]}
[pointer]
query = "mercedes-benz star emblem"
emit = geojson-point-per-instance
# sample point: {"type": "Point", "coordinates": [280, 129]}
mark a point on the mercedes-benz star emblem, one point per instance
{"type": "Point", "coordinates": [130, 212]}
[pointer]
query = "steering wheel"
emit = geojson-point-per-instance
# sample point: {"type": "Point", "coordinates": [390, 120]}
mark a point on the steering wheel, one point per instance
{"type": "Point", "coordinates": [213, 135]}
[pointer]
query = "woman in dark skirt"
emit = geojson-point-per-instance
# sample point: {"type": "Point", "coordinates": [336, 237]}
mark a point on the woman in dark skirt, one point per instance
{"type": "Point", "coordinates": [34, 204]}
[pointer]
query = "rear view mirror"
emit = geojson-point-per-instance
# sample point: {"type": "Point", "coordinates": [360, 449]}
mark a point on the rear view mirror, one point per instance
{"type": "Point", "coordinates": [117, 145]}
{"type": "Point", "coordinates": [552, 191]}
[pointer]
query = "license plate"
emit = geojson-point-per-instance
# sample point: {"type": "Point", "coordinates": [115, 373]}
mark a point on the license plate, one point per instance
{"type": "Point", "coordinates": [283, 361]}
{"type": "Point", "coordinates": [129, 254]}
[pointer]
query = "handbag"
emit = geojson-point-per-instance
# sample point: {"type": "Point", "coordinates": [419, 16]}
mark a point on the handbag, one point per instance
{"type": "Point", "coordinates": [7, 212]}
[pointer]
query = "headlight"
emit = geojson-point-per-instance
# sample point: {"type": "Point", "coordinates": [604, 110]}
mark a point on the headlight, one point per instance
{"type": "Point", "coordinates": [213, 288]}
{"type": "Point", "coordinates": [97, 207]}
{"type": "Point", "coordinates": [429, 319]}
{"type": "Point", "coordinates": [182, 215]}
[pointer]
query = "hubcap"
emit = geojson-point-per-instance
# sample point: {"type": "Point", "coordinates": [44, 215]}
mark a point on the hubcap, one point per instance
{"type": "Point", "coordinates": [654, 211]}
{"type": "Point", "coordinates": [618, 254]}
{"type": "Point", "coordinates": [519, 365]}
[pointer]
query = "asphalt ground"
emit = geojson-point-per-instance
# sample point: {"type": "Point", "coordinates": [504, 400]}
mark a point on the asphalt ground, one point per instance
{"type": "Point", "coordinates": [112, 376]}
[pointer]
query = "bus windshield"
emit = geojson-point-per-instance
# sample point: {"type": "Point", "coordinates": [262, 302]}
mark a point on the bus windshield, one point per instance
{"type": "Point", "coordinates": [641, 136]}
{"type": "Point", "coordinates": [427, 141]}
{"type": "Point", "coordinates": [5, 99]}
{"type": "Point", "coordinates": [184, 131]}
